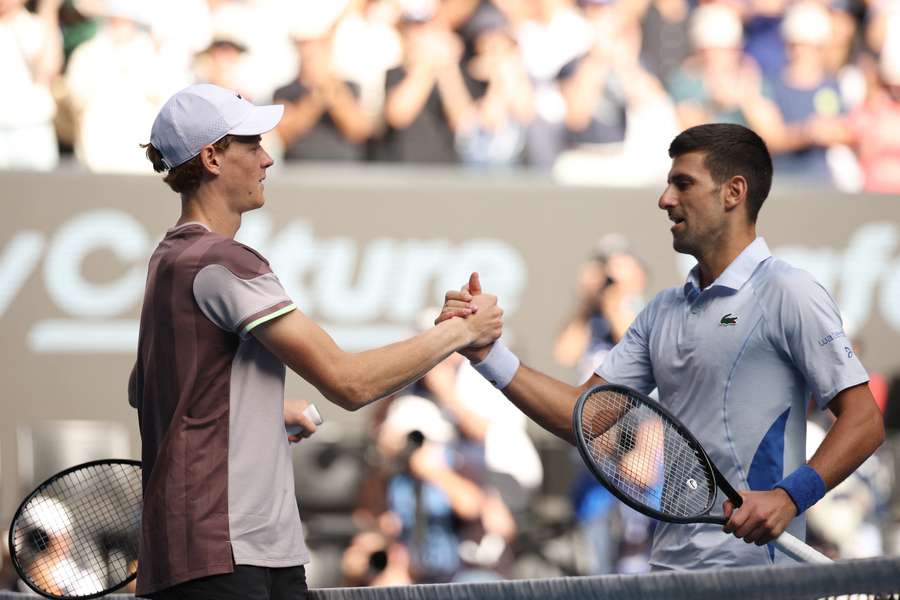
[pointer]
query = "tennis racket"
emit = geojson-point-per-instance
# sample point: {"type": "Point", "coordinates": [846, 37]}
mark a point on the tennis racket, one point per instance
{"type": "Point", "coordinates": [76, 535]}
{"type": "Point", "coordinates": [650, 461]}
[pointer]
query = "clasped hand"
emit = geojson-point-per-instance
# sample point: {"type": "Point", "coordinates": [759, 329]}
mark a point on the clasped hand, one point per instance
{"type": "Point", "coordinates": [482, 314]}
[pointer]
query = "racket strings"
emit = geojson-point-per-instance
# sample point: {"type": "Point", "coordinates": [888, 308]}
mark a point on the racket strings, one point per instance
{"type": "Point", "coordinates": [644, 456]}
{"type": "Point", "coordinates": [78, 536]}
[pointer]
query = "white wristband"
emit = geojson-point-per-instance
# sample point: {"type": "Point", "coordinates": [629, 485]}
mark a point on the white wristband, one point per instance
{"type": "Point", "coordinates": [499, 366]}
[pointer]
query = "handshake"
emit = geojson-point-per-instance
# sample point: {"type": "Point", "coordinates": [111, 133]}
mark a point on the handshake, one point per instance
{"type": "Point", "coordinates": [480, 315]}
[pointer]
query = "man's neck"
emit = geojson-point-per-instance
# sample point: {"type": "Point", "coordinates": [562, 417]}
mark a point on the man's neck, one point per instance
{"type": "Point", "coordinates": [204, 208]}
{"type": "Point", "coordinates": [714, 261]}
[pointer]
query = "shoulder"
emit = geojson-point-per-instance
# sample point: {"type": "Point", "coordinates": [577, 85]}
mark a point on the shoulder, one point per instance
{"type": "Point", "coordinates": [243, 261]}
{"type": "Point", "coordinates": [779, 281]}
{"type": "Point", "coordinates": [791, 295]}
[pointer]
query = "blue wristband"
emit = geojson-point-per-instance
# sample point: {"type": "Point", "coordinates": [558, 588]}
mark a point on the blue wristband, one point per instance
{"type": "Point", "coordinates": [804, 486]}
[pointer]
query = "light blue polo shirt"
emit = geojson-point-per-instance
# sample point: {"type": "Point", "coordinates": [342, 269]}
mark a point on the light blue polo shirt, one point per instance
{"type": "Point", "coordinates": [736, 363]}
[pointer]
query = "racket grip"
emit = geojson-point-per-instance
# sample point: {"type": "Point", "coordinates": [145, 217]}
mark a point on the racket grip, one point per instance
{"type": "Point", "coordinates": [312, 413]}
{"type": "Point", "coordinates": [799, 551]}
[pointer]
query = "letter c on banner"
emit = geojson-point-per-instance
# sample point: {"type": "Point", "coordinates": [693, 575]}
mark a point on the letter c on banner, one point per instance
{"type": "Point", "coordinates": [111, 230]}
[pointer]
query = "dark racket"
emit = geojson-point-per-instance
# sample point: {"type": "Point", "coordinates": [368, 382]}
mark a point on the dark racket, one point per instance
{"type": "Point", "coordinates": [651, 462]}
{"type": "Point", "coordinates": [76, 535]}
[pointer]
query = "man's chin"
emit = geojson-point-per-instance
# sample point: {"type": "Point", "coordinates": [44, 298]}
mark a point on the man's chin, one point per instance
{"type": "Point", "coordinates": [681, 246]}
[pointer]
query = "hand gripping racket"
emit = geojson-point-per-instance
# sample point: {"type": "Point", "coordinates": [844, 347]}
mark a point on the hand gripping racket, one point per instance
{"type": "Point", "coordinates": [311, 413]}
{"type": "Point", "coordinates": [76, 535]}
{"type": "Point", "coordinates": [650, 461]}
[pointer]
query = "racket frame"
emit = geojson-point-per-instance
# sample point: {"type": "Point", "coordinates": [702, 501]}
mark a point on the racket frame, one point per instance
{"type": "Point", "coordinates": [13, 528]}
{"type": "Point", "coordinates": [717, 479]}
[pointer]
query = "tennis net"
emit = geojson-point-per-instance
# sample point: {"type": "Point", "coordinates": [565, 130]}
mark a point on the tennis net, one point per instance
{"type": "Point", "coordinates": [875, 578]}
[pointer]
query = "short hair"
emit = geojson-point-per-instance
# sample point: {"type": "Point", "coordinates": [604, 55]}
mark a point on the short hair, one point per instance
{"type": "Point", "coordinates": [186, 177]}
{"type": "Point", "coordinates": [730, 150]}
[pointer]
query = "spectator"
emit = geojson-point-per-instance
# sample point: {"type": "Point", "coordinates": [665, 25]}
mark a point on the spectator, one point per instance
{"type": "Point", "coordinates": [804, 91]}
{"type": "Point", "coordinates": [494, 131]}
{"type": "Point", "coordinates": [551, 34]}
{"type": "Point", "coordinates": [873, 128]}
{"type": "Point", "coordinates": [617, 113]}
{"type": "Point", "coordinates": [664, 35]}
{"type": "Point", "coordinates": [718, 83]}
{"type": "Point", "coordinates": [31, 47]}
{"type": "Point", "coordinates": [366, 44]}
{"type": "Point", "coordinates": [426, 98]}
{"type": "Point", "coordinates": [611, 285]}
{"type": "Point", "coordinates": [487, 425]}
{"type": "Point", "coordinates": [323, 117]}
{"type": "Point", "coordinates": [116, 83]}
{"type": "Point", "coordinates": [219, 64]}
{"type": "Point", "coordinates": [763, 41]}
{"type": "Point", "coordinates": [262, 26]}
{"type": "Point", "coordinates": [427, 494]}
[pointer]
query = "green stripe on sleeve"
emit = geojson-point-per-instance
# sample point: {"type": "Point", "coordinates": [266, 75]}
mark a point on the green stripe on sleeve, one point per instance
{"type": "Point", "coordinates": [268, 317]}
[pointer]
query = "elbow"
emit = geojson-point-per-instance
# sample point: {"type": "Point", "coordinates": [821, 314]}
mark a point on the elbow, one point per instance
{"type": "Point", "coordinates": [878, 433]}
{"type": "Point", "coordinates": [351, 396]}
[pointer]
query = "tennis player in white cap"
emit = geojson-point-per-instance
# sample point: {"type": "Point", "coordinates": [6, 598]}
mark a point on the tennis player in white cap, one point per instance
{"type": "Point", "coordinates": [220, 518]}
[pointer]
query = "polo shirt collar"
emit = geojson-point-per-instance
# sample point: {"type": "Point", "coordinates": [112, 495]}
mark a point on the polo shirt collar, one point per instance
{"type": "Point", "coordinates": [737, 273]}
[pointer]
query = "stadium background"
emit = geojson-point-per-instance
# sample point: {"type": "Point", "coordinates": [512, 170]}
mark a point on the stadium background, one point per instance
{"type": "Point", "coordinates": [366, 247]}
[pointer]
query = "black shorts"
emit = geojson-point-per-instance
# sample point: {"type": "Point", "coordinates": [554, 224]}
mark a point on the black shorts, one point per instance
{"type": "Point", "coordinates": [245, 583]}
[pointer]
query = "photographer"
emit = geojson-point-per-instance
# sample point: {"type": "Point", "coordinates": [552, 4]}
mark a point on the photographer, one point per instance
{"type": "Point", "coordinates": [610, 288]}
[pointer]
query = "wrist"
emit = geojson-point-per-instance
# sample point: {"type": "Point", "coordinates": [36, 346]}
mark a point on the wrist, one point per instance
{"type": "Point", "coordinates": [804, 486]}
{"type": "Point", "coordinates": [499, 366]}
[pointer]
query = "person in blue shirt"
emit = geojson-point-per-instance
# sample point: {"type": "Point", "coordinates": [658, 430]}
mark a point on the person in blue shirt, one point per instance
{"type": "Point", "coordinates": [734, 353]}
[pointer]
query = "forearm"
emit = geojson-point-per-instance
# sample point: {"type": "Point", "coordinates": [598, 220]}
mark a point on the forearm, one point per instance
{"type": "Point", "coordinates": [299, 118]}
{"type": "Point", "coordinates": [49, 62]}
{"type": "Point", "coordinates": [572, 343]}
{"type": "Point", "coordinates": [349, 116]}
{"type": "Point", "coordinates": [465, 497]}
{"type": "Point", "coordinates": [547, 401]}
{"type": "Point", "coordinates": [377, 373]}
{"type": "Point", "coordinates": [471, 424]}
{"type": "Point", "coordinates": [404, 102]}
{"type": "Point", "coordinates": [458, 105]}
{"type": "Point", "coordinates": [581, 93]}
{"type": "Point", "coordinates": [352, 380]}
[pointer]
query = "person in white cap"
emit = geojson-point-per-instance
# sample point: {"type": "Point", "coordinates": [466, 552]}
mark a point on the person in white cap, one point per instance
{"type": "Point", "coordinates": [217, 328]}
{"type": "Point", "coordinates": [53, 567]}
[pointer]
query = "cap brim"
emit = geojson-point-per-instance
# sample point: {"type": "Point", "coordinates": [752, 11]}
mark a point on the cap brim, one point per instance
{"type": "Point", "coordinates": [260, 120]}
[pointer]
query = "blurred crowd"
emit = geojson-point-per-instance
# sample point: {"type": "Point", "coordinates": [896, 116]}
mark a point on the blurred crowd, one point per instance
{"type": "Point", "coordinates": [448, 484]}
{"type": "Point", "coordinates": [592, 90]}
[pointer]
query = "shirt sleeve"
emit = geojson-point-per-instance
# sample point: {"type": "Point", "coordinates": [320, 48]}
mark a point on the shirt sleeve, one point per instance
{"type": "Point", "coordinates": [239, 299]}
{"type": "Point", "coordinates": [808, 327]}
{"type": "Point", "coordinates": [628, 363]}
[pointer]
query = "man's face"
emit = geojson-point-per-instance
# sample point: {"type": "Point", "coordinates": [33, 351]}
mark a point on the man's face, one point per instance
{"type": "Point", "coordinates": [694, 204]}
{"type": "Point", "coordinates": [243, 170]}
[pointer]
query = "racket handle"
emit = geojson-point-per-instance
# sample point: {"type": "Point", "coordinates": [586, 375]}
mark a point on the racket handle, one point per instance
{"type": "Point", "coordinates": [312, 413]}
{"type": "Point", "coordinates": [799, 551]}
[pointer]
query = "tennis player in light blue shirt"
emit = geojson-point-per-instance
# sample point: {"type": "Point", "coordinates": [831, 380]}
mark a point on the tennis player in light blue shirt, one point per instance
{"type": "Point", "coordinates": [757, 342]}
{"type": "Point", "coordinates": [736, 353]}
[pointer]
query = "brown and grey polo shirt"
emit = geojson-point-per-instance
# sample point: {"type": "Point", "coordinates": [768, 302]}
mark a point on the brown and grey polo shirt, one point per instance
{"type": "Point", "coordinates": [217, 474]}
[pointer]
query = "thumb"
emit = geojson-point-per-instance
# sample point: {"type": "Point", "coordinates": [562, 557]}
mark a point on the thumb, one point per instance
{"type": "Point", "coordinates": [474, 284]}
{"type": "Point", "coordinates": [728, 508]}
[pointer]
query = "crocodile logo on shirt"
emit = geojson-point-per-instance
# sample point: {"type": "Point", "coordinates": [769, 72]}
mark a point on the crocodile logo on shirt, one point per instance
{"type": "Point", "coordinates": [728, 320]}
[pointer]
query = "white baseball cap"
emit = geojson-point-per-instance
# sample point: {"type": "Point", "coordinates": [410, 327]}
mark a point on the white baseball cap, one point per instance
{"type": "Point", "coordinates": [203, 114]}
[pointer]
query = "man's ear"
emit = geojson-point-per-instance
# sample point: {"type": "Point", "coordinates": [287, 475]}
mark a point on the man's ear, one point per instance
{"type": "Point", "coordinates": [735, 190]}
{"type": "Point", "coordinates": [211, 159]}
